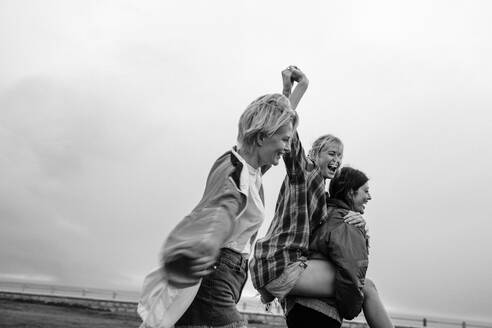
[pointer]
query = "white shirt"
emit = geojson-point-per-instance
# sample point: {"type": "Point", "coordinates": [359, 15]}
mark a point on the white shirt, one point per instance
{"type": "Point", "coordinates": [250, 220]}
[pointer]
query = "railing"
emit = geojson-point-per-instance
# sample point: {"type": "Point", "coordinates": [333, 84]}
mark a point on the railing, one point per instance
{"type": "Point", "coordinates": [43, 289]}
{"type": "Point", "coordinates": [402, 320]}
{"type": "Point", "coordinates": [419, 321]}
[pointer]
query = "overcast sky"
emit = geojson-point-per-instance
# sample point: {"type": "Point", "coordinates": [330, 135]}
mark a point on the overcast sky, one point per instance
{"type": "Point", "coordinates": [112, 113]}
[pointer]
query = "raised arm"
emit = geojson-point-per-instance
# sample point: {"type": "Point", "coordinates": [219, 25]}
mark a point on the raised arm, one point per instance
{"type": "Point", "coordinates": [295, 160]}
{"type": "Point", "coordinates": [290, 75]}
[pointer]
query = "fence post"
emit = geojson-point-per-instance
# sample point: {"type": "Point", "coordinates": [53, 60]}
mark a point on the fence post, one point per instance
{"type": "Point", "coordinates": [424, 322]}
{"type": "Point", "coordinates": [114, 295]}
{"type": "Point", "coordinates": [463, 324]}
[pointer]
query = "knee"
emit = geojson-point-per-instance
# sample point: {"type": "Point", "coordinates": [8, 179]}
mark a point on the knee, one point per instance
{"type": "Point", "coordinates": [369, 287]}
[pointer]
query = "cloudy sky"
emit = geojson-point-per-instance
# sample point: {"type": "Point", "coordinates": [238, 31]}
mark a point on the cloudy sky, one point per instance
{"type": "Point", "coordinates": [112, 112]}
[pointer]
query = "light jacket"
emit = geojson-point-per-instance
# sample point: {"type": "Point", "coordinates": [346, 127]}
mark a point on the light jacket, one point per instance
{"type": "Point", "coordinates": [168, 291]}
{"type": "Point", "coordinates": [204, 231]}
{"type": "Point", "coordinates": [346, 246]}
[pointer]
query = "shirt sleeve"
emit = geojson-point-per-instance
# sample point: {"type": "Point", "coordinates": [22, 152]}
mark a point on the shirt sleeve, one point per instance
{"type": "Point", "coordinates": [295, 160]}
{"type": "Point", "coordinates": [203, 232]}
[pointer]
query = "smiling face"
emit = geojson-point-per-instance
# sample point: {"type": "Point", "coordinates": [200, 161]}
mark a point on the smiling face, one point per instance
{"type": "Point", "coordinates": [360, 197]}
{"type": "Point", "coordinates": [272, 148]}
{"type": "Point", "coordinates": [330, 159]}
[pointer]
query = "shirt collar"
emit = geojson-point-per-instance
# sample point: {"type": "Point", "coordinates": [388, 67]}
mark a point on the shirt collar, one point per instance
{"type": "Point", "coordinates": [242, 160]}
{"type": "Point", "coordinates": [244, 178]}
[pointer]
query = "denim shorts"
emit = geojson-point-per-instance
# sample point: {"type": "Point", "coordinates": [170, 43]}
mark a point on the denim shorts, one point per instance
{"type": "Point", "coordinates": [281, 286]}
{"type": "Point", "coordinates": [216, 300]}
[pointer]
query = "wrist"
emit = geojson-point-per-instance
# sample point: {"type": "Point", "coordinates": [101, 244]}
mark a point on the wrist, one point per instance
{"type": "Point", "coordinates": [304, 81]}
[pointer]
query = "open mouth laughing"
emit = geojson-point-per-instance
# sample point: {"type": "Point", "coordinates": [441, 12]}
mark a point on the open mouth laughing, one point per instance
{"type": "Point", "coordinates": [333, 167]}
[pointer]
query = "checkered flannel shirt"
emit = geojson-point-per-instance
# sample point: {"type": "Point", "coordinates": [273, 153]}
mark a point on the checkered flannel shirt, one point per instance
{"type": "Point", "coordinates": [300, 206]}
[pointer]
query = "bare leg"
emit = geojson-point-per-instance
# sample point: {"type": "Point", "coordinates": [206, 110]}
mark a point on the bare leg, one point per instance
{"type": "Point", "coordinates": [374, 311]}
{"type": "Point", "coordinates": [316, 280]}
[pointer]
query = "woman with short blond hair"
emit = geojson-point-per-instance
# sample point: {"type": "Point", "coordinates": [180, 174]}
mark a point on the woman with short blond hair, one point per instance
{"type": "Point", "coordinates": [210, 247]}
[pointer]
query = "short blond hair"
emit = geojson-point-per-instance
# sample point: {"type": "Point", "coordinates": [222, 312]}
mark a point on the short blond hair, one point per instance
{"type": "Point", "coordinates": [321, 143]}
{"type": "Point", "coordinates": [264, 116]}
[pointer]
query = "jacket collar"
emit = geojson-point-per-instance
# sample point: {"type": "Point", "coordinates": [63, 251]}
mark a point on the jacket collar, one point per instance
{"type": "Point", "coordinates": [240, 175]}
{"type": "Point", "coordinates": [332, 202]}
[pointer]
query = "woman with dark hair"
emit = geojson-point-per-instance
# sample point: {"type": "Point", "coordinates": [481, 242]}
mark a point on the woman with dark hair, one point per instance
{"type": "Point", "coordinates": [346, 247]}
{"type": "Point", "coordinates": [350, 186]}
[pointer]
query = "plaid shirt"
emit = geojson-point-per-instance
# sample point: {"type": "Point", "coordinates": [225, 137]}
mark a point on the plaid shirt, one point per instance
{"type": "Point", "coordinates": [300, 206]}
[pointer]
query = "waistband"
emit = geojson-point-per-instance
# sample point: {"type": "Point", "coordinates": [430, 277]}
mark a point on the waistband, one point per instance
{"type": "Point", "coordinates": [233, 256]}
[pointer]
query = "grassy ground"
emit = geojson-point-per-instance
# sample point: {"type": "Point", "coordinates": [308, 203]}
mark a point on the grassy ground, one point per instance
{"type": "Point", "coordinates": [15, 314]}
